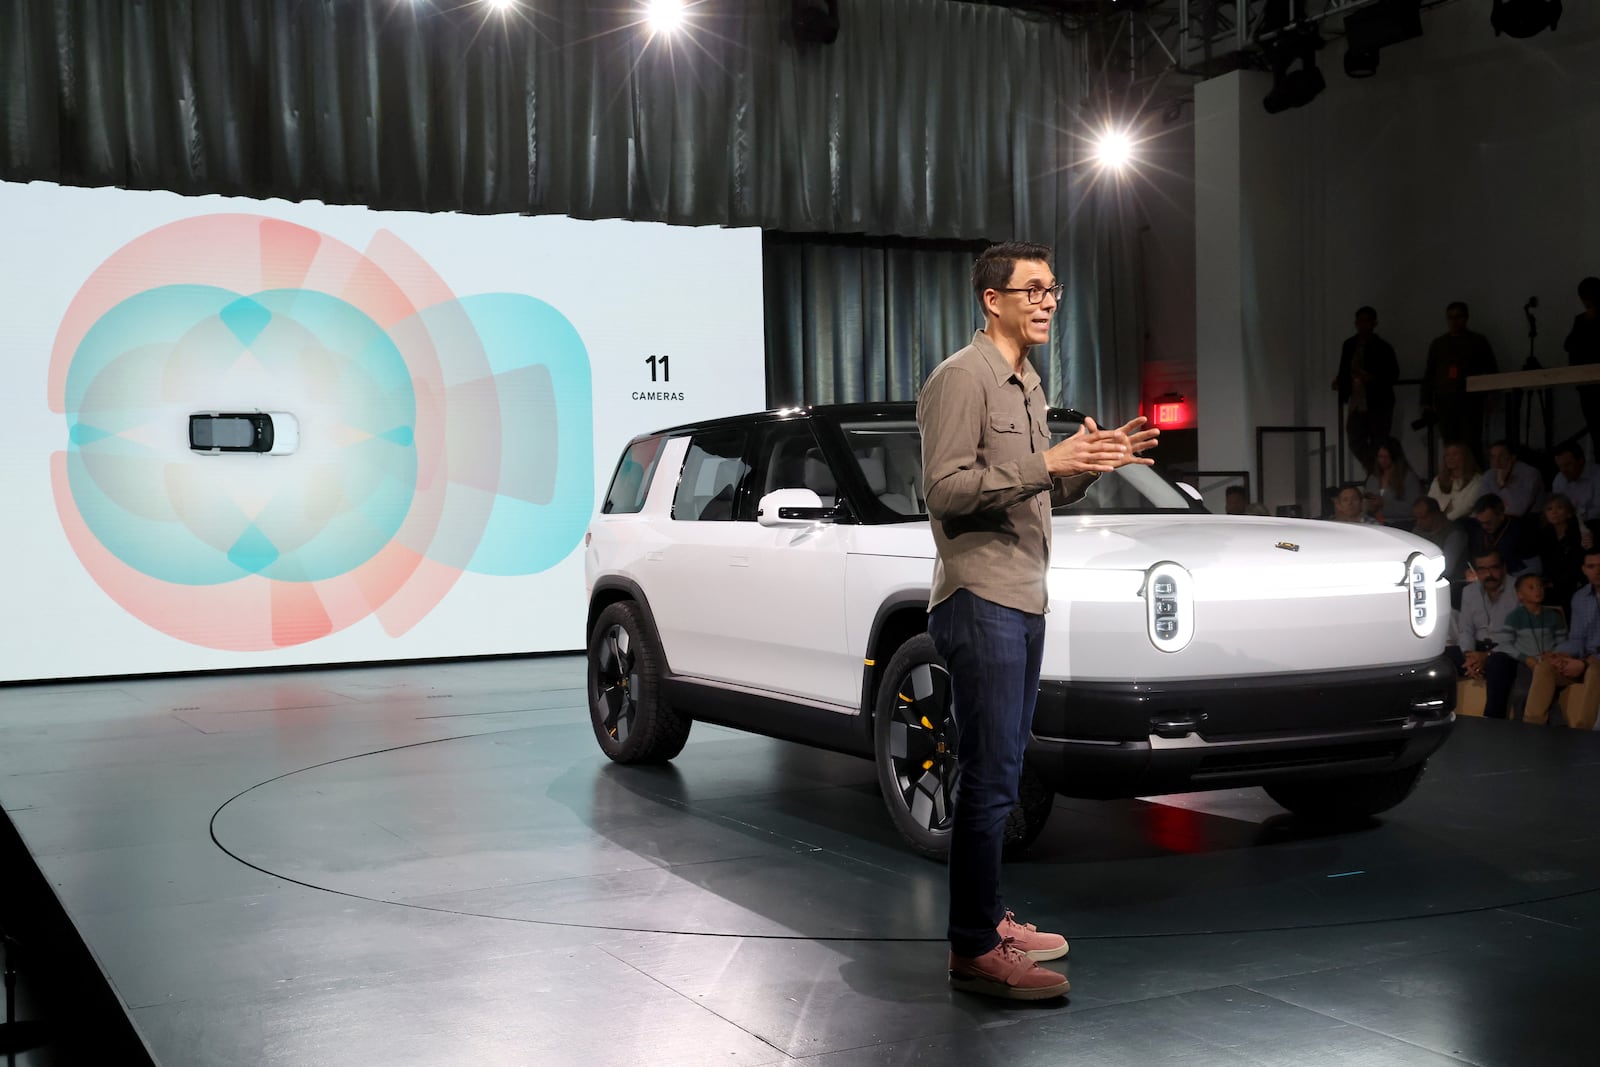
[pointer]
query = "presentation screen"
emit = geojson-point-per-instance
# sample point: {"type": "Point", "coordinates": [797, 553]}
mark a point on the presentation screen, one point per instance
{"type": "Point", "coordinates": [240, 433]}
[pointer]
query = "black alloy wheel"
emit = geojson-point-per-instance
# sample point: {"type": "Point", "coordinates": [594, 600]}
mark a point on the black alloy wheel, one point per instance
{"type": "Point", "coordinates": [632, 722]}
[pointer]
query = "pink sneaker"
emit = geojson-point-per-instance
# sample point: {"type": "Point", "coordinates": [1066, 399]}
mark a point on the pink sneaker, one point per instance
{"type": "Point", "coordinates": [1006, 971]}
{"type": "Point", "coordinates": [1035, 945]}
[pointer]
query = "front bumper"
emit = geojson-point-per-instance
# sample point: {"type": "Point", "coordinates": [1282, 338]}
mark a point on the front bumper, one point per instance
{"type": "Point", "coordinates": [1106, 740]}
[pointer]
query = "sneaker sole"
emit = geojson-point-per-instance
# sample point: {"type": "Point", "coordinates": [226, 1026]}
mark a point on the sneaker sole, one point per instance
{"type": "Point", "coordinates": [988, 987]}
{"type": "Point", "coordinates": [1044, 955]}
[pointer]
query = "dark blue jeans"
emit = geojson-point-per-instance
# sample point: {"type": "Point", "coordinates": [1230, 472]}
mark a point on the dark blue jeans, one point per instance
{"type": "Point", "coordinates": [994, 654]}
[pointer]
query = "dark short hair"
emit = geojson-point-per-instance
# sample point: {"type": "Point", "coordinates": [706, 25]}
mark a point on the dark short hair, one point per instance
{"type": "Point", "coordinates": [1430, 504]}
{"type": "Point", "coordinates": [1569, 448]}
{"type": "Point", "coordinates": [1493, 554]}
{"type": "Point", "coordinates": [1457, 305]}
{"type": "Point", "coordinates": [1488, 501]}
{"type": "Point", "coordinates": [993, 268]}
{"type": "Point", "coordinates": [1239, 489]}
{"type": "Point", "coordinates": [1503, 443]}
{"type": "Point", "coordinates": [1595, 551]}
{"type": "Point", "coordinates": [1527, 577]}
{"type": "Point", "coordinates": [1589, 289]}
{"type": "Point", "coordinates": [1366, 309]}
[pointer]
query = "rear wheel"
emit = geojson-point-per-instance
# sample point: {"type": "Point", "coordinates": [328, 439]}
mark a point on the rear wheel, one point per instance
{"type": "Point", "coordinates": [914, 745]}
{"type": "Point", "coordinates": [1349, 799]}
{"type": "Point", "coordinates": [631, 720]}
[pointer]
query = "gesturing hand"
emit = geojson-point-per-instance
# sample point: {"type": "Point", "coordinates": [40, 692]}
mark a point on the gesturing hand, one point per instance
{"type": "Point", "coordinates": [1094, 451]}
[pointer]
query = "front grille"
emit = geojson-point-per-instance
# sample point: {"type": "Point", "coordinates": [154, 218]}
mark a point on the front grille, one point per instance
{"type": "Point", "coordinates": [1222, 765]}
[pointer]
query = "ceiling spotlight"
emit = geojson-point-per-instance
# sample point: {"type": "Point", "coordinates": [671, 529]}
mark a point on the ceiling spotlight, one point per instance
{"type": "Point", "coordinates": [1113, 149]}
{"type": "Point", "coordinates": [501, 6]}
{"type": "Point", "coordinates": [664, 16]}
{"type": "Point", "coordinates": [1524, 18]}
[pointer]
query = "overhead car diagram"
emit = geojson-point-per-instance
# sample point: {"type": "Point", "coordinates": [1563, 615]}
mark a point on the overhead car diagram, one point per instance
{"type": "Point", "coordinates": [269, 433]}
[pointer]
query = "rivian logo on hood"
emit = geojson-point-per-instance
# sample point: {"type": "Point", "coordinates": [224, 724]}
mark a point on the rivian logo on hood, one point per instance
{"type": "Point", "coordinates": [1287, 546]}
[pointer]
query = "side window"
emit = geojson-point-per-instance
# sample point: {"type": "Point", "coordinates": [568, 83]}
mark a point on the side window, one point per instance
{"type": "Point", "coordinates": [712, 471]}
{"type": "Point", "coordinates": [788, 457]}
{"type": "Point", "coordinates": [631, 483]}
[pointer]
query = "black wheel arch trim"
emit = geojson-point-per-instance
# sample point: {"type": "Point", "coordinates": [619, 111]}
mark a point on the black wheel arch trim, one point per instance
{"type": "Point", "coordinates": [895, 604]}
{"type": "Point", "coordinates": [630, 591]}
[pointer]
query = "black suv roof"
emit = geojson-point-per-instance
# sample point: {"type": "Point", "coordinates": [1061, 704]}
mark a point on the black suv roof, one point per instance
{"type": "Point", "coordinates": [898, 410]}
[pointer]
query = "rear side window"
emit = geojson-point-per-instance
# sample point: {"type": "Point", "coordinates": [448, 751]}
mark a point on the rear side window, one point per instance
{"type": "Point", "coordinates": [631, 484]}
{"type": "Point", "coordinates": [712, 472]}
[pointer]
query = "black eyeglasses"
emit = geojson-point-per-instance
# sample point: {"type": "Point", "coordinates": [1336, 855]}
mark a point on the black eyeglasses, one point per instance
{"type": "Point", "coordinates": [1035, 294]}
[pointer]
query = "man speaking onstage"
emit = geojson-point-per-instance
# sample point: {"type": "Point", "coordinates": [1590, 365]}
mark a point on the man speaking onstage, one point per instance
{"type": "Point", "coordinates": [991, 477]}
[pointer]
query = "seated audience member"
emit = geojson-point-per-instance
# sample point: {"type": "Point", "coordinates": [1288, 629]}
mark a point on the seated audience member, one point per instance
{"type": "Point", "coordinates": [1510, 479]}
{"type": "Point", "coordinates": [1486, 603]}
{"type": "Point", "coordinates": [1576, 480]}
{"type": "Point", "coordinates": [1578, 658]}
{"type": "Point", "coordinates": [1235, 501]}
{"type": "Point", "coordinates": [1531, 636]}
{"type": "Point", "coordinates": [1562, 539]}
{"type": "Point", "coordinates": [1459, 484]}
{"type": "Point", "coordinates": [1428, 521]}
{"type": "Point", "coordinates": [1392, 488]}
{"type": "Point", "coordinates": [1349, 506]}
{"type": "Point", "coordinates": [1492, 530]}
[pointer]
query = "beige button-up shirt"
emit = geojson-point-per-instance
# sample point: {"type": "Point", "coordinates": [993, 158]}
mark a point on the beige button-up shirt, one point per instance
{"type": "Point", "coordinates": [985, 430]}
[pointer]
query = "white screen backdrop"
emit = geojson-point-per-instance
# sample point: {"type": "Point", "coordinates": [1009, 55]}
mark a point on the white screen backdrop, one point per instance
{"type": "Point", "coordinates": [462, 387]}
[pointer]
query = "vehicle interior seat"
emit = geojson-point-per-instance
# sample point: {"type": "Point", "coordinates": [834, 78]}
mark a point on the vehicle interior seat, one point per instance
{"type": "Point", "coordinates": [875, 469]}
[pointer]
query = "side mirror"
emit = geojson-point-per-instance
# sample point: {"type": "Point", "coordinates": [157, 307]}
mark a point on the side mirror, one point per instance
{"type": "Point", "coordinates": [791, 507]}
{"type": "Point", "coordinates": [1194, 494]}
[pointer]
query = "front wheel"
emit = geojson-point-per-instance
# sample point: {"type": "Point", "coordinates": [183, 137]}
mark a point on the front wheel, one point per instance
{"type": "Point", "coordinates": [914, 747]}
{"type": "Point", "coordinates": [631, 720]}
{"type": "Point", "coordinates": [1352, 799]}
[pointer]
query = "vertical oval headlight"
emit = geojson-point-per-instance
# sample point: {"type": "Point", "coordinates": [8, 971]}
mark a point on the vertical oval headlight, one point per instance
{"type": "Point", "coordinates": [1422, 599]}
{"type": "Point", "coordinates": [1169, 606]}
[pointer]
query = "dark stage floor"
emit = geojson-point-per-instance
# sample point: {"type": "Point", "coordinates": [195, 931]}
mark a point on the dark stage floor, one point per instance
{"type": "Point", "coordinates": [434, 864]}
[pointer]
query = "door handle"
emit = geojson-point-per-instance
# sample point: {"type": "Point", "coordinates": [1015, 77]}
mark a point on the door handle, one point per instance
{"type": "Point", "coordinates": [655, 556]}
{"type": "Point", "coordinates": [740, 561]}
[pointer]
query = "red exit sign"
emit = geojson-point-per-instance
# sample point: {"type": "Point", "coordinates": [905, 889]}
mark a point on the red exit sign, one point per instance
{"type": "Point", "coordinates": [1170, 413]}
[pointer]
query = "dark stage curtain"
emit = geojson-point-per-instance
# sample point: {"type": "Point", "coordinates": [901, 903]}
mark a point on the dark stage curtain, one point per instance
{"type": "Point", "coordinates": [925, 118]}
{"type": "Point", "coordinates": [852, 319]}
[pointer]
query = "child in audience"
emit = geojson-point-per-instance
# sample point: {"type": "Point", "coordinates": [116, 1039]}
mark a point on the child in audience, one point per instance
{"type": "Point", "coordinates": [1531, 634]}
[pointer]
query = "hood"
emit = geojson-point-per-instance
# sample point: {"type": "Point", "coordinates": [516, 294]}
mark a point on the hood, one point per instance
{"type": "Point", "coordinates": [1205, 542]}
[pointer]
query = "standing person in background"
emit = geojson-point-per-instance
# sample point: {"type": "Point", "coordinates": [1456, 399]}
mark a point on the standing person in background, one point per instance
{"type": "Point", "coordinates": [1235, 501]}
{"type": "Point", "coordinates": [1367, 373]}
{"type": "Point", "coordinates": [1392, 488]}
{"type": "Point", "coordinates": [1576, 481]}
{"type": "Point", "coordinates": [1458, 484]}
{"type": "Point", "coordinates": [1583, 346]}
{"type": "Point", "coordinates": [1516, 483]}
{"type": "Point", "coordinates": [1453, 357]}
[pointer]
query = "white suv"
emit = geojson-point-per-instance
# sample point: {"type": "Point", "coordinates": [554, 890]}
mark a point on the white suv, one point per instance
{"type": "Point", "coordinates": [771, 572]}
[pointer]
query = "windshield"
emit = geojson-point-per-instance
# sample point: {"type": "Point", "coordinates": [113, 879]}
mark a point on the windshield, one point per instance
{"type": "Point", "coordinates": [890, 457]}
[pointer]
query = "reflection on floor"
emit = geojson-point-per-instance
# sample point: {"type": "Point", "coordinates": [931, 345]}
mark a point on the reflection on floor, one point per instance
{"type": "Point", "coordinates": [434, 864]}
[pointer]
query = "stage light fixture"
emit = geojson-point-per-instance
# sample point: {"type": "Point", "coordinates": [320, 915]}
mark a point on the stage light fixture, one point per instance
{"type": "Point", "coordinates": [501, 6]}
{"type": "Point", "coordinates": [815, 21]}
{"type": "Point", "coordinates": [1524, 18]}
{"type": "Point", "coordinates": [1369, 29]}
{"type": "Point", "coordinates": [1296, 80]}
{"type": "Point", "coordinates": [664, 16]}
